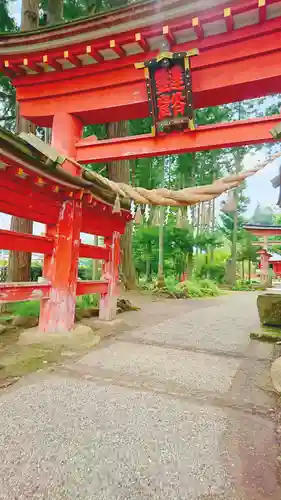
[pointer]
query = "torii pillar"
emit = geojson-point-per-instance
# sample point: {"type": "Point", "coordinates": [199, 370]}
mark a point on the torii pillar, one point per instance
{"type": "Point", "coordinates": [264, 266]}
{"type": "Point", "coordinates": [61, 268]}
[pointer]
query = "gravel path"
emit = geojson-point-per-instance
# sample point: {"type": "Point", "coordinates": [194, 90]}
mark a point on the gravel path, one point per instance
{"type": "Point", "coordinates": [177, 410]}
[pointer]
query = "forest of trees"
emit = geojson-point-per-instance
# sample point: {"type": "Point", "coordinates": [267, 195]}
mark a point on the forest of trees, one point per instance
{"type": "Point", "coordinates": [165, 241]}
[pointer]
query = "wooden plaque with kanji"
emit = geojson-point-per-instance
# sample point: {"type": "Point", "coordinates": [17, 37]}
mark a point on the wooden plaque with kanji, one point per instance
{"type": "Point", "coordinates": [170, 92]}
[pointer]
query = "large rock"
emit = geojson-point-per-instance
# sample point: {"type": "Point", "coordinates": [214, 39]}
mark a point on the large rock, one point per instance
{"type": "Point", "coordinates": [124, 305]}
{"type": "Point", "coordinates": [269, 307]}
{"type": "Point", "coordinates": [25, 321]}
{"type": "Point", "coordinates": [80, 335]}
{"type": "Point", "coordinates": [90, 312]}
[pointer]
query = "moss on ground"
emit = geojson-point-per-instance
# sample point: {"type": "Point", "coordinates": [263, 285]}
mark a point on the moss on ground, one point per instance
{"type": "Point", "coordinates": [17, 360]}
{"type": "Point", "coordinates": [267, 334]}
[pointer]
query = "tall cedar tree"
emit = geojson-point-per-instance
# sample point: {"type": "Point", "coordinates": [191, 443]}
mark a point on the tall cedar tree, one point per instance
{"type": "Point", "coordinates": [20, 262]}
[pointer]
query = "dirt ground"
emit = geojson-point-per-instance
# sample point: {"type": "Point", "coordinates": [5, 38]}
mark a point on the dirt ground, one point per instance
{"type": "Point", "coordinates": [175, 402]}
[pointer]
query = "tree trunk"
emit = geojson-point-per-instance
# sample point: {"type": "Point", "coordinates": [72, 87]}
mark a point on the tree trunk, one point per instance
{"type": "Point", "coordinates": [148, 263]}
{"type": "Point", "coordinates": [198, 219]}
{"type": "Point", "coordinates": [147, 271]}
{"type": "Point", "coordinates": [213, 215]}
{"type": "Point", "coordinates": [232, 275]}
{"type": "Point", "coordinates": [250, 270]}
{"type": "Point", "coordinates": [189, 265]}
{"type": "Point", "coordinates": [20, 262]}
{"type": "Point", "coordinates": [55, 11]}
{"type": "Point", "coordinates": [161, 279]}
{"type": "Point", "coordinates": [127, 262]}
{"type": "Point", "coordinates": [119, 171]}
{"type": "Point", "coordinates": [30, 15]}
{"type": "Point", "coordinates": [243, 270]}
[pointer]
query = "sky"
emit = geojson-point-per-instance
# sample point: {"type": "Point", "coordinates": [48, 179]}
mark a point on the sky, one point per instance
{"type": "Point", "coordinates": [15, 9]}
{"type": "Point", "coordinates": [259, 188]}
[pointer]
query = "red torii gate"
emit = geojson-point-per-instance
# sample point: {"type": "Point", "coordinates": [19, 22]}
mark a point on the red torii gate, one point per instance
{"type": "Point", "coordinates": [37, 184]}
{"type": "Point", "coordinates": [263, 233]}
{"type": "Point", "coordinates": [86, 72]}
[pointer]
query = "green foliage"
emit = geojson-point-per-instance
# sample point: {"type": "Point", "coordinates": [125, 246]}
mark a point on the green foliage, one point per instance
{"type": "Point", "coordinates": [74, 9]}
{"type": "Point", "coordinates": [26, 309]}
{"type": "Point", "coordinates": [145, 248]}
{"type": "Point", "coordinates": [178, 244]}
{"type": "Point", "coordinates": [215, 271]}
{"type": "Point", "coordinates": [191, 289]}
{"type": "Point", "coordinates": [277, 220]}
{"type": "Point", "coordinates": [245, 286]}
{"type": "Point", "coordinates": [209, 288]}
{"type": "Point", "coordinates": [36, 272]}
{"type": "Point", "coordinates": [247, 251]}
{"type": "Point", "coordinates": [227, 219]}
{"type": "Point", "coordinates": [182, 290]}
{"type": "Point", "coordinates": [85, 272]}
{"type": "Point", "coordinates": [86, 301]}
{"type": "Point", "coordinates": [203, 288]}
{"type": "Point", "coordinates": [7, 92]}
{"type": "Point", "coordinates": [7, 23]}
{"type": "Point", "coordinates": [171, 282]}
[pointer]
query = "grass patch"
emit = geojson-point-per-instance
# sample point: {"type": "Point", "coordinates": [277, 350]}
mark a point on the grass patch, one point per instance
{"type": "Point", "coordinates": [86, 301]}
{"type": "Point", "coordinates": [32, 308]}
{"type": "Point", "coordinates": [26, 309]}
{"type": "Point", "coordinates": [247, 286]}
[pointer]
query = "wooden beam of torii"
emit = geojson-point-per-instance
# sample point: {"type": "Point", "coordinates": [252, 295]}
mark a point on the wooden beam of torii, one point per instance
{"type": "Point", "coordinates": [222, 135]}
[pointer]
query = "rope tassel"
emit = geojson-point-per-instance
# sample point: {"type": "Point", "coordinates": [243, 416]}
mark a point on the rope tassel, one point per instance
{"type": "Point", "coordinates": [230, 205]}
{"type": "Point", "coordinates": [117, 205]}
{"type": "Point", "coordinates": [156, 217]}
{"type": "Point", "coordinates": [138, 216]}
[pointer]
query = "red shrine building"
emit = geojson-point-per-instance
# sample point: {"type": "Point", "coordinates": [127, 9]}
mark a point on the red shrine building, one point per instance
{"type": "Point", "coordinates": [275, 263]}
{"type": "Point", "coordinates": [161, 60]}
{"type": "Point", "coordinates": [270, 260]}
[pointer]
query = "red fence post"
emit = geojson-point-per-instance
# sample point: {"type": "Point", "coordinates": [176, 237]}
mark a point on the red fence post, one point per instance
{"type": "Point", "coordinates": [108, 301]}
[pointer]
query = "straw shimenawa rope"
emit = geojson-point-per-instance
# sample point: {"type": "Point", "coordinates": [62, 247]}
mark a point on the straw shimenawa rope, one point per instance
{"type": "Point", "coordinates": [182, 197]}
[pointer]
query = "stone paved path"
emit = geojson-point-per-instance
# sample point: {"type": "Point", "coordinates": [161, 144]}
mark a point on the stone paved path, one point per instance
{"type": "Point", "coordinates": [174, 410]}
